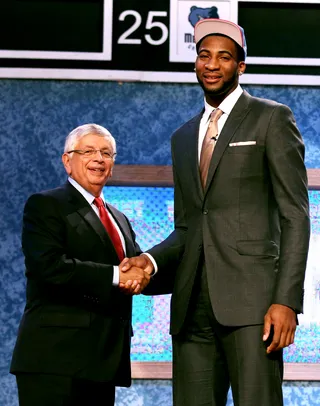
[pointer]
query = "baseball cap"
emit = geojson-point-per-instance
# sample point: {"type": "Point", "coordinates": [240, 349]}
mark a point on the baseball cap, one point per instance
{"type": "Point", "coordinates": [210, 26]}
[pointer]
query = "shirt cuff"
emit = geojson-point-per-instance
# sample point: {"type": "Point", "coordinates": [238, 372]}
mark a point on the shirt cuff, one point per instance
{"type": "Point", "coordinates": [116, 276]}
{"type": "Point", "coordinates": [155, 266]}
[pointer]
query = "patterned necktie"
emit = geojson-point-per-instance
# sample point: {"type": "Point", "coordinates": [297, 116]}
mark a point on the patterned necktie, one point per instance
{"type": "Point", "coordinates": [109, 226]}
{"type": "Point", "coordinates": [208, 145]}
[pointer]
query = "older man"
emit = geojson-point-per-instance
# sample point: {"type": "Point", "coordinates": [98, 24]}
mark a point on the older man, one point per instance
{"type": "Point", "coordinates": [73, 345]}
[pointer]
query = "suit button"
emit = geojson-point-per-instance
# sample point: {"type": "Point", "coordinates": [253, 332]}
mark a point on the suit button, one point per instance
{"type": "Point", "coordinates": [205, 211]}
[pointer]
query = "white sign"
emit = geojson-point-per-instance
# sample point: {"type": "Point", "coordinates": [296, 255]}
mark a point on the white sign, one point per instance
{"type": "Point", "coordinates": [184, 14]}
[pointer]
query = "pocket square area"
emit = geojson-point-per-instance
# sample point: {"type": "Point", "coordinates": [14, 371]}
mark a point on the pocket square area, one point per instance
{"type": "Point", "coordinates": [242, 143]}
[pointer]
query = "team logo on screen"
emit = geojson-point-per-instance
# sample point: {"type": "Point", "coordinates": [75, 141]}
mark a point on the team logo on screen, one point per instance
{"type": "Point", "coordinates": [196, 14]}
{"type": "Point", "coordinates": [183, 18]}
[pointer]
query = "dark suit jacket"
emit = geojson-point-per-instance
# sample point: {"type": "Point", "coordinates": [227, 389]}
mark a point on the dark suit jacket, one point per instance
{"type": "Point", "coordinates": [75, 322]}
{"type": "Point", "coordinates": [251, 222]}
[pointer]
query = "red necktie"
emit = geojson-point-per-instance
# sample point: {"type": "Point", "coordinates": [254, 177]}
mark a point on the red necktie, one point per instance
{"type": "Point", "coordinates": [109, 226]}
{"type": "Point", "coordinates": [208, 145]}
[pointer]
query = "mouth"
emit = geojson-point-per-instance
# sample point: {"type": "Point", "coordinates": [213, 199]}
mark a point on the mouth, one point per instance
{"type": "Point", "coordinates": [211, 78]}
{"type": "Point", "coordinates": [97, 171]}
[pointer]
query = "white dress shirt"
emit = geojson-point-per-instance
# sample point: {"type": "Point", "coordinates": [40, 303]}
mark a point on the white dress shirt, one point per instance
{"type": "Point", "coordinates": [90, 199]}
{"type": "Point", "coordinates": [226, 106]}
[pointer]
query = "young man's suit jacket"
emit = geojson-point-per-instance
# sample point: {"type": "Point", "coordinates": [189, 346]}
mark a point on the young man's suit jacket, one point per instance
{"type": "Point", "coordinates": [251, 222]}
{"type": "Point", "coordinates": [75, 322]}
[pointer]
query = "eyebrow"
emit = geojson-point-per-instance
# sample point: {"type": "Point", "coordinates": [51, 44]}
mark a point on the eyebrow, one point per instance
{"type": "Point", "coordinates": [223, 51]}
{"type": "Point", "coordinates": [92, 147]}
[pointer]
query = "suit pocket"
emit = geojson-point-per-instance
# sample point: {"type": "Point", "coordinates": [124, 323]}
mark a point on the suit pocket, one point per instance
{"type": "Point", "coordinates": [72, 318]}
{"type": "Point", "coordinates": [258, 248]}
{"type": "Point", "coordinates": [244, 149]}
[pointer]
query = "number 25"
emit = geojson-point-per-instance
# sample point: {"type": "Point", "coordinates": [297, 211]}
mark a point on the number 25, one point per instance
{"type": "Point", "coordinates": [149, 24]}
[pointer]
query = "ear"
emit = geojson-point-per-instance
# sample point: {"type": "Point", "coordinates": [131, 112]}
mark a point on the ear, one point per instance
{"type": "Point", "coordinates": [241, 67]}
{"type": "Point", "coordinates": [111, 170]}
{"type": "Point", "coordinates": [66, 160]}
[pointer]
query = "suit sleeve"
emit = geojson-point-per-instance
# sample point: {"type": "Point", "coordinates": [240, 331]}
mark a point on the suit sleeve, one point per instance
{"type": "Point", "coordinates": [169, 252]}
{"type": "Point", "coordinates": [44, 244]}
{"type": "Point", "coordinates": [285, 154]}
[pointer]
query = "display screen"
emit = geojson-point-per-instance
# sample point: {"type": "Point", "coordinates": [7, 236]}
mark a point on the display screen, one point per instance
{"type": "Point", "coordinates": [50, 25]}
{"type": "Point", "coordinates": [150, 210]}
{"type": "Point", "coordinates": [282, 30]}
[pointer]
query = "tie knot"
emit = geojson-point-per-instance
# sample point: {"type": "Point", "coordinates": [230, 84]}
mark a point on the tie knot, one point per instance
{"type": "Point", "coordinates": [215, 115]}
{"type": "Point", "coordinates": [98, 201]}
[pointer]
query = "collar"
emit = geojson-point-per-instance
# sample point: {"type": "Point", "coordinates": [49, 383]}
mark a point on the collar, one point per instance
{"type": "Point", "coordinates": [226, 105]}
{"type": "Point", "coordinates": [88, 196]}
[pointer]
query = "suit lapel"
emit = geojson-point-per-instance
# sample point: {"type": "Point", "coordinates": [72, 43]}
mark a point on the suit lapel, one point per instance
{"type": "Point", "coordinates": [192, 144]}
{"type": "Point", "coordinates": [91, 218]}
{"type": "Point", "coordinates": [83, 208]}
{"type": "Point", "coordinates": [237, 115]}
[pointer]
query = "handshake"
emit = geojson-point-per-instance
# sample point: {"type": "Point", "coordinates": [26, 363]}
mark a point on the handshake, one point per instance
{"type": "Point", "coordinates": [135, 274]}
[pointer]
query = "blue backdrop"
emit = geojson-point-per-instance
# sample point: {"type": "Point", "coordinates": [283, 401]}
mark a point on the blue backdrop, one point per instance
{"type": "Point", "coordinates": [35, 117]}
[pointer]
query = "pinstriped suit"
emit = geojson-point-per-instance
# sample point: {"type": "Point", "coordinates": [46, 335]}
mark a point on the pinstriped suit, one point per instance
{"type": "Point", "coordinates": [249, 228]}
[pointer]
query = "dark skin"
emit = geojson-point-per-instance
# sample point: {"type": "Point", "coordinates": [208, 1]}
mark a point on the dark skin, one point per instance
{"type": "Point", "coordinates": [218, 68]}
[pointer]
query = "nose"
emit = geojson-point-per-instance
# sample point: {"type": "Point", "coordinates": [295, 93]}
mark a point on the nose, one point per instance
{"type": "Point", "coordinates": [212, 64]}
{"type": "Point", "coordinates": [98, 155]}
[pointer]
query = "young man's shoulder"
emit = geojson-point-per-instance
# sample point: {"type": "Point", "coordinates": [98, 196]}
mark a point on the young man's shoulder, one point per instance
{"type": "Point", "coordinates": [186, 126]}
{"type": "Point", "coordinates": [263, 102]}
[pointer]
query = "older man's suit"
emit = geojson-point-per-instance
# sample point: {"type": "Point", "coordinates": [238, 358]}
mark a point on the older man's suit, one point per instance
{"type": "Point", "coordinates": [75, 323]}
{"type": "Point", "coordinates": [249, 226]}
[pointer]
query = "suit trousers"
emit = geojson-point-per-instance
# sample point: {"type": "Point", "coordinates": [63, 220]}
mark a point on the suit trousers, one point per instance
{"type": "Point", "coordinates": [57, 390]}
{"type": "Point", "coordinates": [209, 357]}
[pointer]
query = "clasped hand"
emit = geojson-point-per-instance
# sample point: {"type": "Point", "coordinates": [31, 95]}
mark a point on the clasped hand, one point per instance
{"type": "Point", "coordinates": [135, 274]}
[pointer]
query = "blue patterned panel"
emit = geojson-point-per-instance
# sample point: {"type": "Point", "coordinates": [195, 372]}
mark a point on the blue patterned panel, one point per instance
{"type": "Point", "coordinates": [151, 212]}
{"type": "Point", "coordinates": [307, 341]}
{"type": "Point", "coordinates": [159, 393]}
{"type": "Point", "coordinates": [36, 116]}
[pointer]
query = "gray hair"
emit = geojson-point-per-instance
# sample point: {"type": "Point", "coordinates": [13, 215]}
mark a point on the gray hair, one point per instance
{"type": "Point", "coordinates": [75, 135]}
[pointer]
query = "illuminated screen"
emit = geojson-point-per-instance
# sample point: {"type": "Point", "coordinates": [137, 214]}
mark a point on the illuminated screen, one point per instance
{"type": "Point", "coordinates": [150, 210]}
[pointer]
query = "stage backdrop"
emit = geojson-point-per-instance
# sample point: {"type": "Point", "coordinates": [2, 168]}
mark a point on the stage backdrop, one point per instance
{"type": "Point", "coordinates": [35, 117]}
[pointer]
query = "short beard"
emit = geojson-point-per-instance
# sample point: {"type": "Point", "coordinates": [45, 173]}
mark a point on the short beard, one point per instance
{"type": "Point", "coordinates": [224, 90]}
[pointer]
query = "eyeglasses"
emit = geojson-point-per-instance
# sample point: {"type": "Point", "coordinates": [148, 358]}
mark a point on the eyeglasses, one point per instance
{"type": "Point", "coordinates": [91, 152]}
